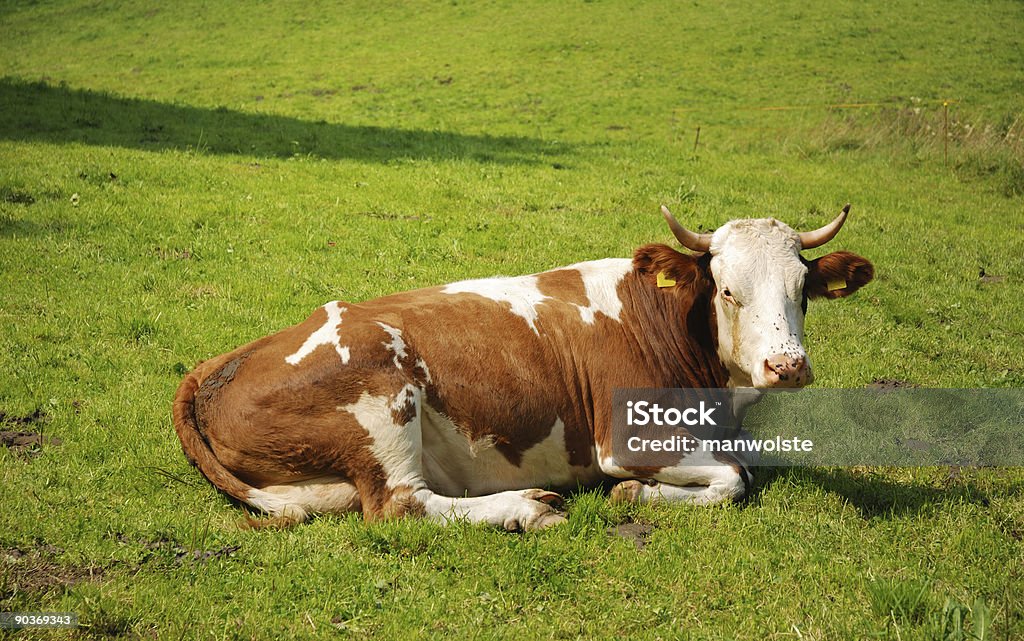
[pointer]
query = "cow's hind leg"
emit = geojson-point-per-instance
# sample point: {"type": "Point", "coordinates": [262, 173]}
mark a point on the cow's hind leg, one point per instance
{"type": "Point", "coordinates": [297, 500]}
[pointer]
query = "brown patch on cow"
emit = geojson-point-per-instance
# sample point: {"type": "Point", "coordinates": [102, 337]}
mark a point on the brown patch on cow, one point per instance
{"type": "Point", "coordinates": [513, 419]}
{"type": "Point", "coordinates": [673, 341]}
{"type": "Point", "coordinates": [837, 275]}
{"type": "Point", "coordinates": [516, 410]}
{"type": "Point", "coordinates": [579, 440]}
{"type": "Point", "coordinates": [678, 322]}
{"type": "Point", "coordinates": [563, 286]}
{"type": "Point", "coordinates": [651, 260]}
{"type": "Point", "coordinates": [211, 386]}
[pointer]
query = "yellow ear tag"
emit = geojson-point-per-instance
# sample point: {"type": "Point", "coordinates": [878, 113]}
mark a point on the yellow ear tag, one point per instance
{"type": "Point", "coordinates": [665, 281]}
{"type": "Point", "coordinates": [833, 285]}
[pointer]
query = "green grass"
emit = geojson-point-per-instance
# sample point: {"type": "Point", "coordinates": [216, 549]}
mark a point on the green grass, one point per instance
{"type": "Point", "coordinates": [177, 181]}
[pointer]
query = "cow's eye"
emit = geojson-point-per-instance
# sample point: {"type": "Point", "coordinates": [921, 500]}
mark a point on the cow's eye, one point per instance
{"type": "Point", "coordinates": [727, 295]}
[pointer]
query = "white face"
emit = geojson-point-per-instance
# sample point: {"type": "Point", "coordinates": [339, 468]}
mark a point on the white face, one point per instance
{"type": "Point", "coordinates": [760, 279]}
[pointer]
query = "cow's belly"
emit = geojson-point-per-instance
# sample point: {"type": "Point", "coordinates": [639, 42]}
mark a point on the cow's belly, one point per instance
{"type": "Point", "coordinates": [454, 466]}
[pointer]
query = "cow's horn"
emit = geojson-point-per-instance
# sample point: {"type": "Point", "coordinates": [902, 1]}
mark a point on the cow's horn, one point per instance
{"type": "Point", "coordinates": [686, 238]}
{"type": "Point", "coordinates": [820, 236]}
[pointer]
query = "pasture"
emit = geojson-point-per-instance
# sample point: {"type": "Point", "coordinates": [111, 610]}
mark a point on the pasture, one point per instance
{"type": "Point", "coordinates": [178, 180]}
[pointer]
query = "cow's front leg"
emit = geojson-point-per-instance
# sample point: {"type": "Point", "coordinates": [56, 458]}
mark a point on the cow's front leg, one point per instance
{"type": "Point", "coordinates": [698, 483]}
{"type": "Point", "coordinates": [728, 487]}
{"type": "Point", "coordinates": [513, 510]}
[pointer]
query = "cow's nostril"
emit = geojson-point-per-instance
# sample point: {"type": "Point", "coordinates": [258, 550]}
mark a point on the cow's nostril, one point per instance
{"type": "Point", "coordinates": [786, 370]}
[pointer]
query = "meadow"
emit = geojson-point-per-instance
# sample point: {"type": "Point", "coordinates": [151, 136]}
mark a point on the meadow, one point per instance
{"type": "Point", "coordinates": [177, 180]}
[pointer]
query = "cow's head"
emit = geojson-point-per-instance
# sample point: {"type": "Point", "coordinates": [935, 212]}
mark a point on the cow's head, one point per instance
{"type": "Point", "coordinates": [762, 284]}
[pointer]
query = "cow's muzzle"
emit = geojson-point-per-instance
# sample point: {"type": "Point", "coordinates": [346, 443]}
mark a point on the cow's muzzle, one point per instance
{"type": "Point", "coordinates": [784, 370]}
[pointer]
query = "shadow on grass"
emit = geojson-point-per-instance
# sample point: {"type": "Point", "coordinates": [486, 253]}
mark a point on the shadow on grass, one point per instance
{"type": "Point", "coordinates": [58, 114]}
{"type": "Point", "coordinates": [877, 496]}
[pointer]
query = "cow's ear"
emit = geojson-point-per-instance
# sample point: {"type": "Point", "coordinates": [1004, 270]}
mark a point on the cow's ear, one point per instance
{"type": "Point", "coordinates": [837, 274]}
{"type": "Point", "coordinates": [663, 263]}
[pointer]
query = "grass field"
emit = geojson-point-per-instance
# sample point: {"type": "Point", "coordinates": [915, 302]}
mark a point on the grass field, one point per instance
{"type": "Point", "coordinates": [177, 181]}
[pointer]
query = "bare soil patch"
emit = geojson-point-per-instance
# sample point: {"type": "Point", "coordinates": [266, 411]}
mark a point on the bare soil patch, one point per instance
{"type": "Point", "coordinates": [34, 568]}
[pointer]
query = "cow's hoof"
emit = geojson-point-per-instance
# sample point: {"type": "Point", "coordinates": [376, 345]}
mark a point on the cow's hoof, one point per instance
{"type": "Point", "coordinates": [551, 498]}
{"type": "Point", "coordinates": [627, 492]}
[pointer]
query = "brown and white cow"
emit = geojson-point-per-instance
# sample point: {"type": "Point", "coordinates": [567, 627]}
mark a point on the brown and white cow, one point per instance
{"type": "Point", "coordinates": [461, 401]}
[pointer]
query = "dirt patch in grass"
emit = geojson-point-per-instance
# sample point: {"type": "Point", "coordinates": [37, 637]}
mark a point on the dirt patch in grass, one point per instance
{"type": "Point", "coordinates": [16, 196]}
{"type": "Point", "coordinates": [38, 416]}
{"type": "Point", "coordinates": [167, 549]}
{"type": "Point", "coordinates": [182, 555]}
{"type": "Point", "coordinates": [638, 533]}
{"type": "Point", "coordinates": [890, 384]}
{"type": "Point", "coordinates": [24, 441]}
{"type": "Point", "coordinates": [34, 569]}
{"type": "Point", "coordinates": [385, 215]}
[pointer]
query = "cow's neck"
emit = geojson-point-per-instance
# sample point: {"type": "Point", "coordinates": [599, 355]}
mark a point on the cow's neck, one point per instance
{"type": "Point", "coordinates": [674, 328]}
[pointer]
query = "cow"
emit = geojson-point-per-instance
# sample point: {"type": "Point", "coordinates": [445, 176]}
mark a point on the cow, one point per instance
{"type": "Point", "coordinates": [481, 399]}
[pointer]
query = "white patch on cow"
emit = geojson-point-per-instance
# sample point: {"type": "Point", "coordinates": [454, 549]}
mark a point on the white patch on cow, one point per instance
{"type": "Point", "coordinates": [396, 345]}
{"type": "Point", "coordinates": [404, 396]}
{"type": "Point", "coordinates": [481, 444]}
{"type": "Point", "coordinates": [454, 466]}
{"type": "Point", "coordinates": [422, 364]}
{"type": "Point", "coordinates": [520, 292]}
{"type": "Point", "coordinates": [396, 447]}
{"type": "Point", "coordinates": [601, 280]}
{"type": "Point", "coordinates": [327, 334]}
{"type": "Point", "coordinates": [321, 495]}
